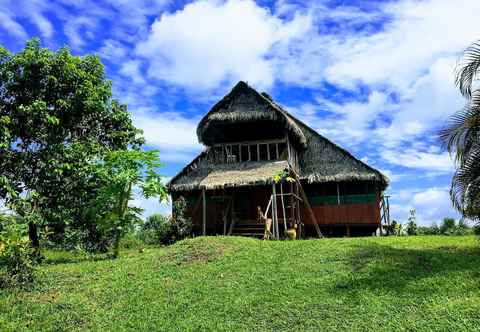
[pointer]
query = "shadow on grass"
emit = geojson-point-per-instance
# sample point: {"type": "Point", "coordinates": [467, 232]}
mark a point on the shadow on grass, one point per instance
{"type": "Point", "coordinates": [62, 257]}
{"type": "Point", "coordinates": [380, 268]}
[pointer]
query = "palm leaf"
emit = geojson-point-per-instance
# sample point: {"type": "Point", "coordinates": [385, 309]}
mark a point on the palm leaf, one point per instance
{"type": "Point", "coordinates": [468, 69]}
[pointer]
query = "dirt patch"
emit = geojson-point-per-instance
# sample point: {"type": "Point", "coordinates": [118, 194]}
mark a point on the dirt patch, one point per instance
{"type": "Point", "coordinates": [191, 252]}
{"type": "Point", "coordinates": [49, 297]}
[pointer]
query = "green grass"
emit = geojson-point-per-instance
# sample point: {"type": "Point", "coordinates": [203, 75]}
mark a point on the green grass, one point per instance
{"type": "Point", "coordinates": [239, 284]}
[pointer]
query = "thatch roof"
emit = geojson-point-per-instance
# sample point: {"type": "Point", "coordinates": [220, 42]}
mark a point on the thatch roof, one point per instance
{"type": "Point", "coordinates": [244, 104]}
{"type": "Point", "coordinates": [320, 159]}
{"type": "Point", "coordinates": [210, 176]}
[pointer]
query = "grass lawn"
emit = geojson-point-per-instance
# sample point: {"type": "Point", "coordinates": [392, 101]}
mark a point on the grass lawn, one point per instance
{"type": "Point", "coordinates": [240, 284]}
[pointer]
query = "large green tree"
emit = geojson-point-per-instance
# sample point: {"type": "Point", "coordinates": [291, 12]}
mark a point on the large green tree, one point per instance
{"type": "Point", "coordinates": [57, 114]}
{"type": "Point", "coordinates": [122, 171]}
{"type": "Point", "coordinates": [462, 137]}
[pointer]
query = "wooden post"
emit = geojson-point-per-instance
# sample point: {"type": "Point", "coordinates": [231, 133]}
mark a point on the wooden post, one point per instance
{"type": "Point", "coordinates": [232, 214]}
{"type": "Point", "coordinates": [348, 230]}
{"type": "Point", "coordinates": [283, 208]}
{"type": "Point", "coordinates": [307, 204]}
{"type": "Point", "coordinates": [299, 219]}
{"type": "Point", "coordinates": [204, 219]}
{"type": "Point", "coordinates": [338, 194]}
{"type": "Point", "coordinates": [274, 211]}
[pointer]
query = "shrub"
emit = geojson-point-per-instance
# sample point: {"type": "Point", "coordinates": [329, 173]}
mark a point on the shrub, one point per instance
{"type": "Point", "coordinates": [89, 239]}
{"type": "Point", "coordinates": [131, 241]}
{"type": "Point", "coordinates": [412, 227]}
{"type": "Point", "coordinates": [447, 226]}
{"type": "Point", "coordinates": [157, 229]}
{"type": "Point", "coordinates": [16, 257]}
{"type": "Point", "coordinates": [181, 223]}
{"type": "Point", "coordinates": [432, 230]}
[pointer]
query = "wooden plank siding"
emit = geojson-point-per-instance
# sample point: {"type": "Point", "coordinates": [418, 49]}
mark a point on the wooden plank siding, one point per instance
{"type": "Point", "coordinates": [345, 214]}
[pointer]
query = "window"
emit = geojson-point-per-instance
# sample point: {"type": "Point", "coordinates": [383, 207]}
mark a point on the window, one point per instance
{"type": "Point", "coordinates": [253, 152]}
{"type": "Point", "coordinates": [282, 151]}
{"type": "Point", "coordinates": [244, 153]}
{"type": "Point", "coordinates": [263, 152]}
{"type": "Point", "coordinates": [233, 152]}
{"type": "Point", "coordinates": [272, 148]}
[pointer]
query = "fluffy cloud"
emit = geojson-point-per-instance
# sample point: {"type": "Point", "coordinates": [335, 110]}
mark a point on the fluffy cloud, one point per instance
{"type": "Point", "coordinates": [211, 42]}
{"type": "Point", "coordinates": [431, 205]}
{"type": "Point", "coordinates": [420, 160]}
{"type": "Point", "coordinates": [174, 135]}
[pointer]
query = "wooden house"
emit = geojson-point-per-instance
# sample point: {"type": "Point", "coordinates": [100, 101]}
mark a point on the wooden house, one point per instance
{"type": "Point", "coordinates": [259, 155]}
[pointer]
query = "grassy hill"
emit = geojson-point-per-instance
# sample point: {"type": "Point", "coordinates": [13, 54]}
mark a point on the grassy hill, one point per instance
{"type": "Point", "coordinates": [240, 284]}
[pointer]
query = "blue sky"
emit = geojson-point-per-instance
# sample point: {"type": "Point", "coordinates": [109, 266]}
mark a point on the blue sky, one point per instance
{"type": "Point", "coordinates": [376, 77]}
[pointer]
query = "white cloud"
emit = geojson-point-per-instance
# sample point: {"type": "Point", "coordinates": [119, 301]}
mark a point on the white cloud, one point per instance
{"type": "Point", "coordinates": [418, 34]}
{"type": "Point", "coordinates": [9, 25]}
{"type": "Point", "coordinates": [78, 29]}
{"type": "Point", "coordinates": [211, 42]}
{"type": "Point", "coordinates": [431, 205]}
{"type": "Point", "coordinates": [440, 162]}
{"type": "Point", "coordinates": [113, 50]}
{"type": "Point", "coordinates": [43, 24]}
{"type": "Point", "coordinates": [132, 70]}
{"type": "Point", "coordinates": [171, 133]}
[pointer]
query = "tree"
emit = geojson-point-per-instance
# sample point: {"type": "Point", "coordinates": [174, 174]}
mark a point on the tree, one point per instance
{"type": "Point", "coordinates": [448, 224]}
{"type": "Point", "coordinates": [462, 137]}
{"type": "Point", "coordinates": [122, 171]}
{"type": "Point", "coordinates": [56, 115]}
{"type": "Point", "coordinates": [412, 227]}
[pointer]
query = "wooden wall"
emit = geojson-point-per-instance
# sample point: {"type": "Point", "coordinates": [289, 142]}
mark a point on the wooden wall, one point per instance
{"type": "Point", "coordinates": [358, 204]}
{"type": "Point", "coordinates": [355, 203]}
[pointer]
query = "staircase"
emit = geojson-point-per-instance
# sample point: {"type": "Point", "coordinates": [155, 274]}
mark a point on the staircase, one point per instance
{"type": "Point", "coordinates": [251, 228]}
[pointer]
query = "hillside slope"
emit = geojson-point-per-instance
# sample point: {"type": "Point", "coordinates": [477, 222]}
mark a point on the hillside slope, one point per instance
{"type": "Point", "coordinates": [240, 284]}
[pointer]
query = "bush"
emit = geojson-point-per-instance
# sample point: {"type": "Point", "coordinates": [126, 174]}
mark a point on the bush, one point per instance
{"type": "Point", "coordinates": [157, 229]}
{"type": "Point", "coordinates": [16, 257]}
{"type": "Point", "coordinates": [181, 223]}
{"type": "Point", "coordinates": [131, 241]}
{"type": "Point", "coordinates": [74, 238]}
{"type": "Point", "coordinates": [447, 226]}
{"type": "Point", "coordinates": [412, 228]}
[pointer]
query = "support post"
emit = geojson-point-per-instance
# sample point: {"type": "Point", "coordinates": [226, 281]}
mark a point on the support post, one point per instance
{"type": "Point", "coordinates": [307, 204]}
{"type": "Point", "coordinates": [283, 208]}
{"type": "Point", "coordinates": [204, 217]}
{"type": "Point", "coordinates": [232, 214]}
{"type": "Point", "coordinates": [274, 211]}
{"type": "Point", "coordinates": [338, 194]}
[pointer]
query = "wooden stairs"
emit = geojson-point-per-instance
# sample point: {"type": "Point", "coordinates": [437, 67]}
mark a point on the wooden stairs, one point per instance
{"type": "Point", "coordinates": [250, 228]}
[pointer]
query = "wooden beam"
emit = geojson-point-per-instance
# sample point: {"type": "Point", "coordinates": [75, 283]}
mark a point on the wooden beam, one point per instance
{"type": "Point", "coordinates": [275, 211]}
{"type": "Point", "coordinates": [224, 217]}
{"type": "Point", "coordinates": [280, 140]}
{"type": "Point", "coordinates": [338, 194]}
{"type": "Point", "coordinates": [232, 214]}
{"type": "Point", "coordinates": [283, 207]}
{"type": "Point", "coordinates": [308, 206]}
{"type": "Point", "coordinates": [204, 217]}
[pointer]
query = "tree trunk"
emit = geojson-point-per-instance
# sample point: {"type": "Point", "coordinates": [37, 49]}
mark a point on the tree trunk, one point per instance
{"type": "Point", "coordinates": [33, 237]}
{"type": "Point", "coordinates": [116, 244]}
{"type": "Point", "coordinates": [122, 209]}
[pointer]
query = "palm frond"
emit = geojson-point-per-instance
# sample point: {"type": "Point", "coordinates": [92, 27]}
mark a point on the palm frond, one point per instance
{"type": "Point", "coordinates": [468, 69]}
{"type": "Point", "coordinates": [462, 132]}
{"type": "Point", "coordinates": [466, 181]}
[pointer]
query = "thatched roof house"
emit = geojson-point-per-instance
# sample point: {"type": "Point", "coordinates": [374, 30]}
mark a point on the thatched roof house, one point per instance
{"type": "Point", "coordinates": [249, 139]}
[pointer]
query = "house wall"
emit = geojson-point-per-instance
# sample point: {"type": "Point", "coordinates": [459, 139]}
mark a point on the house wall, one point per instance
{"type": "Point", "coordinates": [351, 208]}
{"type": "Point", "coordinates": [348, 208]}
